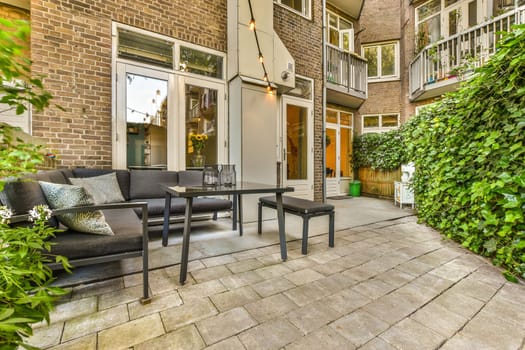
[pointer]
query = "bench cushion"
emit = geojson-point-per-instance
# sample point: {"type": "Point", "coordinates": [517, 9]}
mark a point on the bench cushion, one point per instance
{"type": "Point", "coordinates": [146, 183]}
{"type": "Point", "coordinates": [127, 237]}
{"type": "Point", "coordinates": [178, 205]}
{"type": "Point", "coordinates": [299, 205]}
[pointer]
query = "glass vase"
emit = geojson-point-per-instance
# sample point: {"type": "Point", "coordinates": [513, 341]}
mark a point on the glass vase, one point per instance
{"type": "Point", "coordinates": [198, 159]}
{"type": "Point", "coordinates": [210, 175]}
{"type": "Point", "coordinates": [227, 175]}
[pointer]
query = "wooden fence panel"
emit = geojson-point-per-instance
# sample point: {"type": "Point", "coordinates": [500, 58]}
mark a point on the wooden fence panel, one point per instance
{"type": "Point", "coordinates": [378, 182]}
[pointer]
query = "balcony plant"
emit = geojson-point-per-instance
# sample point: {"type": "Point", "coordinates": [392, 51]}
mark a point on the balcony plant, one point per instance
{"type": "Point", "coordinates": [26, 296]}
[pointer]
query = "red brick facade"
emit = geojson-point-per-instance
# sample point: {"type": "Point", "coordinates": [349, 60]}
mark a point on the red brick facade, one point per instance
{"type": "Point", "coordinates": [71, 46]}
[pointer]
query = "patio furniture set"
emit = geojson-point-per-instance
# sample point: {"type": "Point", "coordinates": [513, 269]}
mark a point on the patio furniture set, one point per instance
{"type": "Point", "coordinates": [104, 215]}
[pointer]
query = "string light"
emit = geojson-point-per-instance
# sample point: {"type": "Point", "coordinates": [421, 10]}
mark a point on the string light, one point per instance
{"type": "Point", "coordinates": [251, 25]}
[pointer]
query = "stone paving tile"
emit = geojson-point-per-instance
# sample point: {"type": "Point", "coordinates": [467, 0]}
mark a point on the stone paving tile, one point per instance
{"type": "Point", "coordinates": [307, 293]}
{"type": "Point", "coordinates": [461, 304]}
{"type": "Point", "coordinates": [395, 277]}
{"type": "Point", "coordinates": [303, 276]}
{"type": "Point", "coordinates": [312, 316]}
{"type": "Point", "coordinates": [452, 271]}
{"type": "Point", "coordinates": [329, 268]}
{"type": "Point", "coordinates": [201, 290]}
{"type": "Point", "coordinates": [512, 292]}
{"type": "Point", "coordinates": [70, 310]}
{"type": "Point", "coordinates": [98, 288]}
{"type": "Point", "coordinates": [44, 337]}
{"type": "Point", "coordinates": [500, 308]}
{"type": "Point", "coordinates": [130, 333]}
{"type": "Point", "coordinates": [92, 323]}
{"type": "Point", "coordinates": [476, 289]}
{"type": "Point", "coordinates": [346, 301]}
{"type": "Point", "coordinates": [390, 308]}
{"type": "Point", "coordinates": [163, 282]}
{"type": "Point", "coordinates": [414, 267]}
{"type": "Point", "coordinates": [489, 275]}
{"type": "Point", "coordinates": [122, 296]}
{"type": "Point", "coordinates": [373, 288]}
{"type": "Point", "coordinates": [241, 279]}
{"type": "Point", "coordinates": [272, 286]}
{"type": "Point", "coordinates": [225, 325]}
{"type": "Point", "coordinates": [299, 264]}
{"type": "Point", "coordinates": [270, 307]}
{"type": "Point", "coordinates": [435, 283]}
{"type": "Point", "coordinates": [411, 335]}
{"type": "Point", "coordinates": [273, 271]}
{"type": "Point", "coordinates": [88, 342]}
{"type": "Point", "coordinates": [325, 257]}
{"type": "Point", "coordinates": [359, 327]}
{"type": "Point", "coordinates": [335, 282]}
{"type": "Point", "coordinates": [483, 333]}
{"type": "Point", "coordinates": [322, 339]}
{"type": "Point", "coordinates": [248, 254]}
{"type": "Point", "coordinates": [233, 298]}
{"type": "Point", "coordinates": [244, 265]}
{"type": "Point", "coordinates": [377, 344]}
{"type": "Point", "coordinates": [158, 303]}
{"type": "Point", "coordinates": [273, 334]}
{"type": "Point", "coordinates": [210, 273]}
{"type": "Point", "coordinates": [187, 338]}
{"type": "Point", "coordinates": [440, 319]}
{"type": "Point", "coordinates": [188, 313]}
{"type": "Point", "coordinates": [232, 343]}
{"type": "Point", "coordinates": [218, 260]}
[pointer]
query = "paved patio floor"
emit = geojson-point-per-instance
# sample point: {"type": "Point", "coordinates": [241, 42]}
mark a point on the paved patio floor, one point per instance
{"type": "Point", "coordinates": [389, 283]}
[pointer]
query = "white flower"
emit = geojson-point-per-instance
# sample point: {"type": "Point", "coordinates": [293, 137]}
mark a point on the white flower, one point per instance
{"type": "Point", "coordinates": [5, 214]}
{"type": "Point", "coordinates": [40, 213]}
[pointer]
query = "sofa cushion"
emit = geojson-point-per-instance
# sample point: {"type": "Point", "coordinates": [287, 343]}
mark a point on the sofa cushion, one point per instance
{"type": "Point", "coordinates": [127, 238]}
{"type": "Point", "coordinates": [178, 205]}
{"type": "Point", "coordinates": [60, 196]}
{"type": "Point", "coordinates": [190, 178]}
{"type": "Point", "coordinates": [146, 183]}
{"type": "Point", "coordinates": [104, 188]}
{"type": "Point", "coordinates": [54, 176]}
{"type": "Point", "coordinates": [122, 177]}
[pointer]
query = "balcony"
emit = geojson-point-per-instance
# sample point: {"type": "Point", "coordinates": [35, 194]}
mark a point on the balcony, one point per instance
{"type": "Point", "coordinates": [439, 67]}
{"type": "Point", "coordinates": [346, 78]}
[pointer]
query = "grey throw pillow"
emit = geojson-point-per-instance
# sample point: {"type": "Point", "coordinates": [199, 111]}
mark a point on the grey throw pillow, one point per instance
{"type": "Point", "coordinates": [103, 188]}
{"type": "Point", "coordinates": [61, 196]}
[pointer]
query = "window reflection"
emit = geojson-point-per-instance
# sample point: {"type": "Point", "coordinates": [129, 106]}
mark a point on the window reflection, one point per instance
{"type": "Point", "coordinates": [146, 119]}
{"type": "Point", "coordinates": [297, 142]}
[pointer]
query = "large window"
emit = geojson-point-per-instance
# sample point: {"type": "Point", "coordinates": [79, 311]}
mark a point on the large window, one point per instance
{"type": "Point", "coordinates": [299, 6]}
{"type": "Point", "coordinates": [380, 122]}
{"type": "Point", "coordinates": [340, 32]}
{"type": "Point", "coordinates": [383, 60]}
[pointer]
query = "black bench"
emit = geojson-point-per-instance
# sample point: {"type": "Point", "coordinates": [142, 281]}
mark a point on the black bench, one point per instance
{"type": "Point", "coordinates": [301, 207]}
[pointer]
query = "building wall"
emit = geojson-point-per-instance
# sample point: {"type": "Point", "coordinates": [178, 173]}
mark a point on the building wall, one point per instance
{"type": "Point", "coordinates": [303, 38]}
{"type": "Point", "coordinates": [71, 46]}
{"type": "Point", "coordinates": [12, 12]}
{"type": "Point", "coordinates": [381, 20]}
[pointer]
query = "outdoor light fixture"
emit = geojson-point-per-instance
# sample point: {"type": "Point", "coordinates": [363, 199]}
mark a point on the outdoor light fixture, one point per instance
{"type": "Point", "coordinates": [251, 25]}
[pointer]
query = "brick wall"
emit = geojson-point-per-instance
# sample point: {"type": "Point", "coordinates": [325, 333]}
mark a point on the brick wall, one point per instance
{"type": "Point", "coordinates": [11, 12]}
{"type": "Point", "coordinates": [303, 38]}
{"type": "Point", "coordinates": [71, 46]}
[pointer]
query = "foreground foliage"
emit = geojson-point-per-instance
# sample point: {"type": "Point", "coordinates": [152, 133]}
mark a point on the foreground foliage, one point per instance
{"type": "Point", "coordinates": [26, 296]}
{"type": "Point", "coordinates": [469, 152]}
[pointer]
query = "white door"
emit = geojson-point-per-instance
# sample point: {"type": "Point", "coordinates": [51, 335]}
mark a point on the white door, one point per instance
{"type": "Point", "coordinates": [201, 107]}
{"type": "Point", "coordinates": [143, 125]}
{"type": "Point", "coordinates": [297, 143]}
{"type": "Point", "coordinates": [338, 152]}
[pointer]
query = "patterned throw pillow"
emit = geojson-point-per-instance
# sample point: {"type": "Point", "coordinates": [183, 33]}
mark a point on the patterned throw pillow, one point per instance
{"type": "Point", "coordinates": [61, 196]}
{"type": "Point", "coordinates": [103, 188]}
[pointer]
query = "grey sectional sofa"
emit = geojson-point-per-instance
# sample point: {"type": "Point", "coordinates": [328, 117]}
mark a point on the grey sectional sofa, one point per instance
{"type": "Point", "coordinates": [130, 220]}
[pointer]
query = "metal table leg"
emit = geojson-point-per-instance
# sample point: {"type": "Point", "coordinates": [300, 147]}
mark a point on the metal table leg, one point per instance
{"type": "Point", "coordinates": [185, 241]}
{"type": "Point", "coordinates": [166, 225]}
{"type": "Point", "coordinates": [280, 220]}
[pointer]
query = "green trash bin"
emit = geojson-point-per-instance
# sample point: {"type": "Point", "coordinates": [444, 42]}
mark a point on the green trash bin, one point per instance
{"type": "Point", "coordinates": [355, 188]}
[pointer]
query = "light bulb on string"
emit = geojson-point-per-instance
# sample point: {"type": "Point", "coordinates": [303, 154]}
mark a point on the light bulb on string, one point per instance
{"type": "Point", "coordinates": [265, 78]}
{"type": "Point", "coordinates": [261, 58]}
{"type": "Point", "coordinates": [251, 25]}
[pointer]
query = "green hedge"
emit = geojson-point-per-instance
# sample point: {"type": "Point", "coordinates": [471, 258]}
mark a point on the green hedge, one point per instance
{"type": "Point", "coordinates": [469, 153]}
{"type": "Point", "coordinates": [384, 151]}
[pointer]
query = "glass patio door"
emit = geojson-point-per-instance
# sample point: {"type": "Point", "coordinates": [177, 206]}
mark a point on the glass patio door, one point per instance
{"type": "Point", "coordinates": [338, 152]}
{"type": "Point", "coordinates": [204, 135]}
{"type": "Point", "coordinates": [298, 146]}
{"type": "Point", "coordinates": [142, 127]}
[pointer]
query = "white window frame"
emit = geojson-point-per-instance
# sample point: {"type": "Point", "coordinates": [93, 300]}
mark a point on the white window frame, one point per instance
{"type": "Point", "coordinates": [306, 11]}
{"type": "Point", "coordinates": [341, 31]}
{"type": "Point", "coordinates": [380, 76]}
{"type": "Point", "coordinates": [380, 128]}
